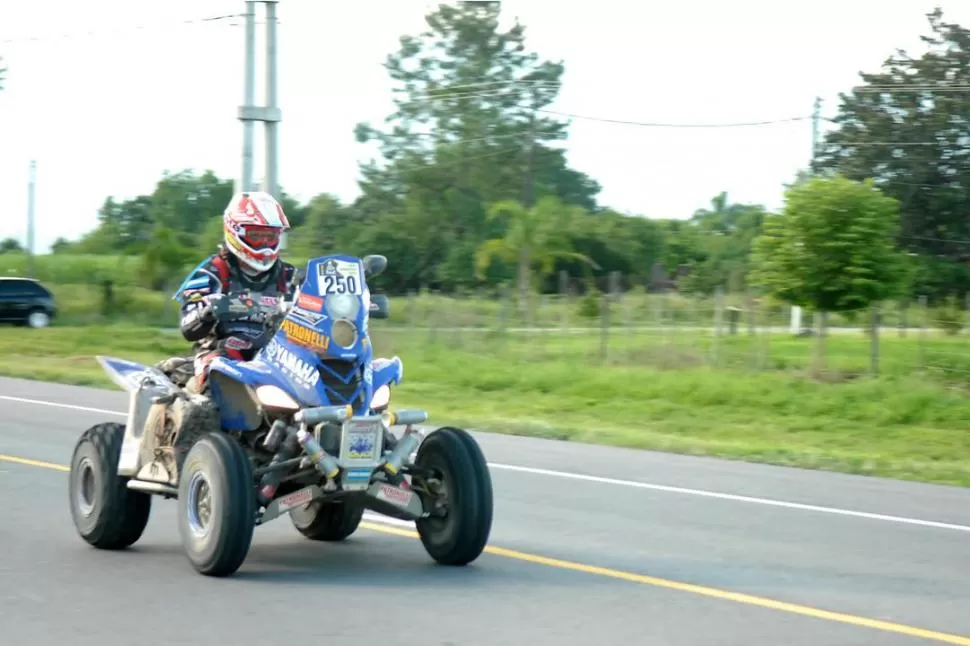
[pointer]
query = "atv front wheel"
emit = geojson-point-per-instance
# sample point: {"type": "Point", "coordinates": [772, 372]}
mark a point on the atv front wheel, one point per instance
{"type": "Point", "coordinates": [327, 521]}
{"type": "Point", "coordinates": [216, 505]}
{"type": "Point", "coordinates": [459, 536]}
{"type": "Point", "coordinates": [107, 514]}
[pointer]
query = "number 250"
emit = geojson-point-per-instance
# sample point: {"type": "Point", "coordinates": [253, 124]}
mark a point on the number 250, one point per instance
{"type": "Point", "coordinates": [339, 285]}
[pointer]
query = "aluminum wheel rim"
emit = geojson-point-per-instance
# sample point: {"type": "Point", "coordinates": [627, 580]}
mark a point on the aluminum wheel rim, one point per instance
{"type": "Point", "coordinates": [38, 319]}
{"type": "Point", "coordinates": [442, 501]}
{"type": "Point", "coordinates": [199, 504]}
{"type": "Point", "coordinates": [85, 487]}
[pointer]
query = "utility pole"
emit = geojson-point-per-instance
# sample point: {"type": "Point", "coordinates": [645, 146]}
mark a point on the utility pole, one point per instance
{"type": "Point", "coordinates": [272, 118]}
{"type": "Point", "coordinates": [530, 177]}
{"type": "Point", "coordinates": [31, 188]}
{"type": "Point", "coordinates": [816, 117]}
{"type": "Point", "coordinates": [795, 321]}
{"type": "Point", "coordinates": [270, 113]}
{"type": "Point", "coordinates": [817, 317]}
{"type": "Point", "coordinates": [245, 182]}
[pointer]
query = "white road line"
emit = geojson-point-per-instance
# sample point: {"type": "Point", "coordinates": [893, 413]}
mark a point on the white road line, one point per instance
{"type": "Point", "coordinates": [734, 497]}
{"type": "Point", "coordinates": [86, 409]}
{"type": "Point", "coordinates": [388, 520]}
{"type": "Point", "coordinates": [903, 520]}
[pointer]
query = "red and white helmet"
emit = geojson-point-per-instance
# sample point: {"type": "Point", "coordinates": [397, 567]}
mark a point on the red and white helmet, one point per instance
{"type": "Point", "coordinates": [253, 226]}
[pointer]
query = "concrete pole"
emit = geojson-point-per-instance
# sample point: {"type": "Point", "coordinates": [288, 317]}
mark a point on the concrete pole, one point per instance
{"type": "Point", "coordinates": [272, 114]}
{"type": "Point", "coordinates": [271, 178]}
{"type": "Point", "coordinates": [245, 182]}
{"type": "Point", "coordinates": [31, 190]}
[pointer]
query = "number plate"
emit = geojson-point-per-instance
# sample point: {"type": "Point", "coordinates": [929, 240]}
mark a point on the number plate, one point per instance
{"type": "Point", "coordinates": [362, 442]}
{"type": "Point", "coordinates": [340, 277]}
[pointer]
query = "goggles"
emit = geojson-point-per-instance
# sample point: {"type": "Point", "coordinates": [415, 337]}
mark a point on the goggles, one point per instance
{"type": "Point", "coordinates": [256, 237]}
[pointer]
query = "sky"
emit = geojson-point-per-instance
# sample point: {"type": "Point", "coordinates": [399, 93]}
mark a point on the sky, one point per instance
{"type": "Point", "coordinates": [106, 95]}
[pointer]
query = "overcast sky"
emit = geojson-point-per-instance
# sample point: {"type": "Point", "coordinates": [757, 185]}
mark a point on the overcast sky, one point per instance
{"type": "Point", "coordinates": [107, 94]}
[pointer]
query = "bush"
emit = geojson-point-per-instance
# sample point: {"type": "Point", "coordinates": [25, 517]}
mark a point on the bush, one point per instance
{"type": "Point", "coordinates": [951, 316]}
{"type": "Point", "coordinates": [589, 304]}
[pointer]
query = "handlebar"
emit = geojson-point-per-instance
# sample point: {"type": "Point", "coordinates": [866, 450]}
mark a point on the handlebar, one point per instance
{"type": "Point", "coordinates": [235, 307]}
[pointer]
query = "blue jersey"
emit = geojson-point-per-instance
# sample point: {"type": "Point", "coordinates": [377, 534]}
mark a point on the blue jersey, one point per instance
{"type": "Point", "coordinates": [219, 274]}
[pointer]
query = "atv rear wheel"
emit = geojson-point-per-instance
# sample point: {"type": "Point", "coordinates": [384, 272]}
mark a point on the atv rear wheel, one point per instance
{"type": "Point", "coordinates": [327, 521]}
{"type": "Point", "coordinates": [216, 505]}
{"type": "Point", "coordinates": [460, 536]}
{"type": "Point", "coordinates": [107, 514]}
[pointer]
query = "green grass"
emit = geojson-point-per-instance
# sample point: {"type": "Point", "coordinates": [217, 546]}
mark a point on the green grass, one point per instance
{"type": "Point", "coordinates": [652, 392]}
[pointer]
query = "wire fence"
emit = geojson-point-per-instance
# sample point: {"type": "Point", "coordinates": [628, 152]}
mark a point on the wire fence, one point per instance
{"type": "Point", "coordinates": [623, 325]}
{"type": "Point", "coordinates": [670, 330]}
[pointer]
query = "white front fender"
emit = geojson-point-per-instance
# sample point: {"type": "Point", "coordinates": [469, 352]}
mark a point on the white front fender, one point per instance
{"type": "Point", "coordinates": [381, 398]}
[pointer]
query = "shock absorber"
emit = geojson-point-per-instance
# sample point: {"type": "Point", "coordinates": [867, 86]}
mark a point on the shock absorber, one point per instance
{"type": "Point", "coordinates": [288, 449]}
{"type": "Point", "coordinates": [322, 460]}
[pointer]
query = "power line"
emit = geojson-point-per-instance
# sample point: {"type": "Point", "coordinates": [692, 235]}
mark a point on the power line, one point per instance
{"type": "Point", "coordinates": [648, 124]}
{"type": "Point", "coordinates": [889, 88]}
{"type": "Point", "coordinates": [493, 92]}
{"type": "Point", "coordinates": [92, 33]}
{"type": "Point", "coordinates": [864, 144]}
{"type": "Point", "coordinates": [930, 239]}
{"type": "Point", "coordinates": [485, 84]}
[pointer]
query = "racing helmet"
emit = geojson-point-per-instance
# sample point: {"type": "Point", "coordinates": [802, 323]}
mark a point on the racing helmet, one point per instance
{"type": "Point", "coordinates": [253, 225]}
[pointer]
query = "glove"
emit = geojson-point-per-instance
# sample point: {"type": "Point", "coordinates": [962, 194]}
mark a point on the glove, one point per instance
{"type": "Point", "coordinates": [211, 302]}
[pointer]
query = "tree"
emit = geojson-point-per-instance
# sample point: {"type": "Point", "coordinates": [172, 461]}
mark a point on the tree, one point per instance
{"type": "Point", "coordinates": [61, 245]}
{"type": "Point", "coordinates": [907, 127]}
{"type": "Point", "coordinates": [536, 238]}
{"type": "Point", "coordinates": [831, 249]}
{"type": "Point", "coordinates": [163, 258]}
{"type": "Point", "coordinates": [723, 245]}
{"type": "Point", "coordinates": [11, 245]}
{"type": "Point", "coordinates": [467, 131]}
{"type": "Point", "coordinates": [613, 242]}
{"type": "Point", "coordinates": [468, 95]}
{"type": "Point", "coordinates": [188, 206]}
{"type": "Point", "coordinates": [3, 73]}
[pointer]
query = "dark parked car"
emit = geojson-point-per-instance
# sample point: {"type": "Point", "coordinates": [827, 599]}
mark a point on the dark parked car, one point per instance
{"type": "Point", "coordinates": [26, 302]}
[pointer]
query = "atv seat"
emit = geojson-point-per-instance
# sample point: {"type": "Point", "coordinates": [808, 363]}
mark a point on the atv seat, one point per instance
{"type": "Point", "coordinates": [178, 369]}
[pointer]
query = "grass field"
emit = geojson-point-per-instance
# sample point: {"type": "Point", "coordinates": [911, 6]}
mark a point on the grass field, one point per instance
{"type": "Point", "coordinates": [652, 392]}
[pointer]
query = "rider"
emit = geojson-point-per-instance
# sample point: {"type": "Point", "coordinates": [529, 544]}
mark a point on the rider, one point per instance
{"type": "Point", "coordinates": [247, 263]}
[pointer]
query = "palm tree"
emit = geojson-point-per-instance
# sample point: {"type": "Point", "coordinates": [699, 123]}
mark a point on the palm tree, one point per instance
{"type": "Point", "coordinates": [535, 239]}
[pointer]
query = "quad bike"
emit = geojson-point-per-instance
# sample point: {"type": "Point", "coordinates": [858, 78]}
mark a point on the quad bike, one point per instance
{"type": "Point", "coordinates": [303, 428]}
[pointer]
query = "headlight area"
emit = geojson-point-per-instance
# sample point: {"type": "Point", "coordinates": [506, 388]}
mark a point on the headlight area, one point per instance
{"type": "Point", "coordinates": [274, 397]}
{"type": "Point", "coordinates": [344, 333]}
{"type": "Point", "coordinates": [381, 398]}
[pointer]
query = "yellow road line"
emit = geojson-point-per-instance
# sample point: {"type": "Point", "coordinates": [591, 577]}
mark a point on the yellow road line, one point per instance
{"type": "Point", "coordinates": [34, 463]}
{"type": "Point", "coordinates": [725, 595]}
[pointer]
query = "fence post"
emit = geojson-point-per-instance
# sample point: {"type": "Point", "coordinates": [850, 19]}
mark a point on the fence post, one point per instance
{"type": "Point", "coordinates": [564, 301]}
{"type": "Point", "coordinates": [903, 323]}
{"type": "Point", "coordinates": [618, 303]}
{"type": "Point", "coordinates": [921, 345]}
{"type": "Point", "coordinates": [604, 326]}
{"type": "Point", "coordinates": [764, 347]}
{"type": "Point", "coordinates": [749, 306]}
{"type": "Point", "coordinates": [432, 317]}
{"type": "Point", "coordinates": [661, 327]}
{"type": "Point", "coordinates": [412, 311]}
{"type": "Point", "coordinates": [874, 323]}
{"type": "Point", "coordinates": [718, 322]}
{"type": "Point", "coordinates": [966, 306]}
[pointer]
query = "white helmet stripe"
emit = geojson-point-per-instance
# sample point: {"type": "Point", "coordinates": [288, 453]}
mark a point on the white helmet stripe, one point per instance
{"type": "Point", "coordinates": [268, 209]}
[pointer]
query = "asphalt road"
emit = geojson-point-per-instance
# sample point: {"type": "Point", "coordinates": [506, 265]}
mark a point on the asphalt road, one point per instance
{"type": "Point", "coordinates": [641, 548]}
